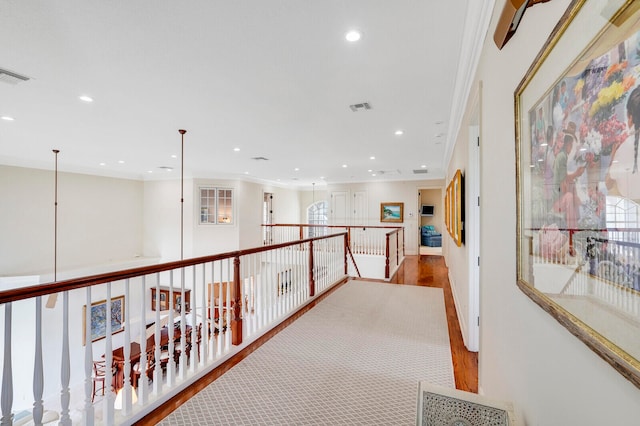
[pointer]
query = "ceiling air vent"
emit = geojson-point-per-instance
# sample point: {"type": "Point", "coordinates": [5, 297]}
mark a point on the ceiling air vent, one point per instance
{"type": "Point", "coordinates": [260, 158]}
{"type": "Point", "coordinates": [11, 77]}
{"type": "Point", "coordinates": [420, 171]}
{"type": "Point", "coordinates": [360, 107]}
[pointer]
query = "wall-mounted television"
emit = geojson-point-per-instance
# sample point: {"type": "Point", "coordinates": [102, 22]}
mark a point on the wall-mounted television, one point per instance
{"type": "Point", "coordinates": [427, 210]}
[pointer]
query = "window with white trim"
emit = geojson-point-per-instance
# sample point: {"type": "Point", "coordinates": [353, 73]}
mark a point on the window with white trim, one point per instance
{"type": "Point", "coordinates": [317, 214]}
{"type": "Point", "coordinates": [216, 206]}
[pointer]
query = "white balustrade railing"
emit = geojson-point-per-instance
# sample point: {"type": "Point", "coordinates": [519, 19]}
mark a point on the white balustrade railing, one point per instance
{"type": "Point", "coordinates": [201, 311]}
{"type": "Point", "coordinates": [384, 241]}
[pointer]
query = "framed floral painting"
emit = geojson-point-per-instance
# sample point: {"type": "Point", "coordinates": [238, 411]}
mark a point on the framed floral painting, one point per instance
{"type": "Point", "coordinates": [577, 131]}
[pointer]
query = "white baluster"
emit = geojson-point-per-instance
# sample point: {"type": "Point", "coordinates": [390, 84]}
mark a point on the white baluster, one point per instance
{"type": "Point", "coordinates": [143, 388]}
{"type": "Point", "coordinates": [193, 363]}
{"type": "Point", "coordinates": [109, 398]}
{"type": "Point", "coordinates": [38, 375]}
{"type": "Point", "coordinates": [183, 328]}
{"type": "Point", "coordinates": [65, 371]}
{"type": "Point", "coordinates": [170, 328]}
{"type": "Point", "coordinates": [204, 332]}
{"type": "Point", "coordinates": [126, 391]}
{"type": "Point", "coordinates": [215, 307]}
{"type": "Point", "coordinates": [157, 371]}
{"type": "Point", "coordinates": [88, 412]}
{"type": "Point", "coordinates": [6, 401]}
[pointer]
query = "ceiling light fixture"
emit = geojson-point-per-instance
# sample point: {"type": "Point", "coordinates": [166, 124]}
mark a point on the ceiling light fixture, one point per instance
{"type": "Point", "coordinates": [174, 156]}
{"type": "Point", "coordinates": [85, 98]}
{"type": "Point", "coordinates": [7, 118]}
{"type": "Point", "coordinates": [399, 133]}
{"type": "Point", "coordinates": [372, 158]}
{"type": "Point", "coordinates": [120, 161]}
{"type": "Point", "coordinates": [344, 166]}
{"type": "Point", "coordinates": [103, 164]}
{"type": "Point", "coordinates": [297, 169]}
{"type": "Point", "coordinates": [353, 36]}
{"type": "Point", "coordinates": [424, 166]}
{"type": "Point", "coordinates": [236, 149]}
{"type": "Point", "coordinates": [369, 170]}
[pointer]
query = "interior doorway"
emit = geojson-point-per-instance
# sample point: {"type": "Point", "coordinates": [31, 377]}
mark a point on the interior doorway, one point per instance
{"type": "Point", "coordinates": [430, 221]}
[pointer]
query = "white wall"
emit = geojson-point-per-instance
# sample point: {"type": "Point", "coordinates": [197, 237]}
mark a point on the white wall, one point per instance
{"type": "Point", "coordinates": [526, 356]}
{"type": "Point", "coordinates": [99, 220]}
{"type": "Point", "coordinates": [402, 191]}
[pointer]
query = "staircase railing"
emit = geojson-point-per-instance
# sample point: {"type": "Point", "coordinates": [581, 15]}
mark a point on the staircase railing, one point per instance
{"type": "Point", "coordinates": [387, 241]}
{"type": "Point", "coordinates": [203, 310]}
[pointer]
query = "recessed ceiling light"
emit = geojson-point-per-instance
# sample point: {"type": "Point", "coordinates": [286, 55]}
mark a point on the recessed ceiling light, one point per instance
{"type": "Point", "coordinates": [7, 118]}
{"type": "Point", "coordinates": [236, 149]}
{"type": "Point", "coordinates": [103, 164]}
{"type": "Point", "coordinates": [344, 166]}
{"type": "Point", "coordinates": [85, 98]}
{"type": "Point", "coordinates": [322, 177]}
{"type": "Point", "coordinates": [372, 158]}
{"type": "Point", "coordinates": [399, 133]}
{"type": "Point", "coordinates": [353, 36]}
{"type": "Point", "coordinates": [246, 173]}
{"type": "Point", "coordinates": [149, 171]}
{"type": "Point", "coordinates": [373, 175]}
{"type": "Point", "coordinates": [174, 156]}
{"type": "Point", "coordinates": [297, 169]}
{"type": "Point", "coordinates": [120, 161]}
{"type": "Point", "coordinates": [369, 170]}
{"type": "Point", "coordinates": [424, 166]}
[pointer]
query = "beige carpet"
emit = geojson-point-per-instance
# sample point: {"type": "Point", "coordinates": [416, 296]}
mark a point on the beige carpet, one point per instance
{"type": "Point", "coordinates": [356, 358]}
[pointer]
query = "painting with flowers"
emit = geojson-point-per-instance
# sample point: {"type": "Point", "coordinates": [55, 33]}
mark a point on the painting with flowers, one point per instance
{"type": "Point", "coordinates": [578, 128]}
{"type": "Point", "coordinates": [584, 142]}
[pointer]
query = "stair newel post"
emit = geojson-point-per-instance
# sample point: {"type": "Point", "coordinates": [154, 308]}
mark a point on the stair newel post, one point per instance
{"type": "Point", "coordinates": [386, 260]}
{"type": "Point", "coordinates": [236, 322]}
{"type": "Point", "coordinates": [312, 281]}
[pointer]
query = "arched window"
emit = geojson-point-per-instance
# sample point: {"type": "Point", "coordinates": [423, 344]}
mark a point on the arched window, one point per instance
{"type": "Point", "coordinates": [317, 215]}
{"type": "Point", "coordinates": [622, 213]}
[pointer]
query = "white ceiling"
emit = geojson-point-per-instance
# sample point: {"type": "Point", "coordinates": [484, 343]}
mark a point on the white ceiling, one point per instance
{"type": "Point", "coordinates": [273, 78]}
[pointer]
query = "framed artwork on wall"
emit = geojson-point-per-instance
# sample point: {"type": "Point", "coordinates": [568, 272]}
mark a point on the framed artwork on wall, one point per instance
{"type": "Point", "coordinates": [99, 318]}
{"type": "Point", "coordinates": [392, 212]}
{"type": "Point", "coordinates": [454, 201]}
{"type": "Point", "coordinates": [577, 132]}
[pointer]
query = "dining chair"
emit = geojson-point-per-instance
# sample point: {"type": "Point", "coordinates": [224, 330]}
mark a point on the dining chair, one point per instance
{"type": "Point", "coordinates": [99, 377]}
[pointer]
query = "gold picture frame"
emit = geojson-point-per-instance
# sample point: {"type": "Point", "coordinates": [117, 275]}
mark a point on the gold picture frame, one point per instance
{"type": "Point", "coordinates": [576, 166]}
{"type": "Point", "coordinates": [392, 212]}
{"type": "Point", "coordinates": [454, 208]}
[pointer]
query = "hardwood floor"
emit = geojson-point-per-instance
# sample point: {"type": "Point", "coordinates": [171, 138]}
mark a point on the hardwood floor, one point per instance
{"type": "Point", "coordinates": [431, 271]}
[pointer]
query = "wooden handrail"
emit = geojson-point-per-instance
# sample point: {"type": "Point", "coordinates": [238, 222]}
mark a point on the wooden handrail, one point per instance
{"type": "Point", "coordinates": [329, 226]}
{"type": "Point", "coordinates": [82, 282]}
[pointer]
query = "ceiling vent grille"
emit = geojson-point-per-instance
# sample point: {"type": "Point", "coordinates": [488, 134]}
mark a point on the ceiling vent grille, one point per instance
{"type": "Point", "coordinates": [360, 107]}
{"type": "Point", "coordinates": [420, 172]}
{"type": "Point", "coordinates": [260, 158]}
{"type": "Point", "coordinates": [11, 77]}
